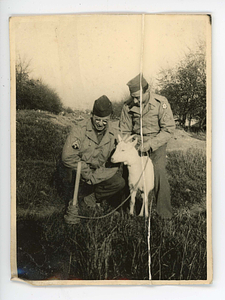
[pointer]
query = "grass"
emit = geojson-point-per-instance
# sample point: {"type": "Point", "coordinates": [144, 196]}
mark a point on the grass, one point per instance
{"type": "Point", "coordinates": [187, 177]}
{"type": "Point", "coordinates": [111, 248]}
{"type": "Point", "coordinates": [38, 138]}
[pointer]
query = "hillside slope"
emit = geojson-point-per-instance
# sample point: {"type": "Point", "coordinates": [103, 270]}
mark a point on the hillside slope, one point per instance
{"type": "Point", "coordinates": [181, 140]}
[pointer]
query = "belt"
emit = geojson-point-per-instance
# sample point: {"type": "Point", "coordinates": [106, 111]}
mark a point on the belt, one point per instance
{"type": "Point", "coordinates": [144, 134]}
{"type": "Point", "coordinates": [143, 153]}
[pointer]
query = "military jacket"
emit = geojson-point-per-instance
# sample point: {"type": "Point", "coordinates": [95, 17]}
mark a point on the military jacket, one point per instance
{"type": "Point", "coordinates": [82, 145]}
{"type": "Point", "coordinates": [157, 121]}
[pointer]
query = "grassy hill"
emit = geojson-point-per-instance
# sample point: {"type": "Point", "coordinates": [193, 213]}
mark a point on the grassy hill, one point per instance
{"type": "Point", "coordinates": [114, 247]}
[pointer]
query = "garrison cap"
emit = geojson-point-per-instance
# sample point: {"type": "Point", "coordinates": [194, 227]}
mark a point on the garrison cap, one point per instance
{"type": "Point", "coordinates": [102, 107]}
{"type": "Point", "coordinates": [134, 84]}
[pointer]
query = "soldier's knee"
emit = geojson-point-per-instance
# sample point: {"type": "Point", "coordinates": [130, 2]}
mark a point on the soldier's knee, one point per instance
{"type": "Point", "coordinates": [119, 183]}
{"type": "Point", "coordinates": [122, 183]}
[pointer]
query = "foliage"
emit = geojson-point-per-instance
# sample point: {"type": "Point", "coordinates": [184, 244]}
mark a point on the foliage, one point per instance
{"type": "Point", "coordinates": [185, 87]}
{"type": "Point", "coordinates": [114, 248]}
{"type": "Point", "coordinates": [34, 94]}
{"type": "Point", "coordinates": [118, 105]}
{"type": "Point", "coordinates": [117, 108]}
{"type": "Point", "coordinates": [69, 110]}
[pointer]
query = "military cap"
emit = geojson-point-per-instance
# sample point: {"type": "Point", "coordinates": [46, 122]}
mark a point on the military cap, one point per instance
{"type": "Point", "coordinates": [134, 84]}
{"type": "Point", "coordinates": [102, 107]}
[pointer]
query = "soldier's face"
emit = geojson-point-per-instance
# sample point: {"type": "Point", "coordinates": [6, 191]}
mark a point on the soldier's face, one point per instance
{"type": "Point", "coordinates": [137, 98]}
{"type": "Point", "coordinates": [100, 123]}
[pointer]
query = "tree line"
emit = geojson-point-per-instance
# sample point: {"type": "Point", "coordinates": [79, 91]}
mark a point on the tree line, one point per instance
{"type": "Point", "coordinates": [33, 93]}
{"type": "Point", "coordinates": [184, 85]}
{"type": "Point", "coordinates": [185, 88]}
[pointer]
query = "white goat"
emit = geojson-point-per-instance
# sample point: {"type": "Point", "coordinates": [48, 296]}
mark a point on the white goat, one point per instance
{"type": "Point", "coordinates": [141, 171]}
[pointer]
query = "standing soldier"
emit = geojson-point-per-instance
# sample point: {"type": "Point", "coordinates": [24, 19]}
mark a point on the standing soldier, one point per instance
{"type": "Point", "coordinates": [157, 128]}
{"type": "Point", "coordinates": [92, 142]}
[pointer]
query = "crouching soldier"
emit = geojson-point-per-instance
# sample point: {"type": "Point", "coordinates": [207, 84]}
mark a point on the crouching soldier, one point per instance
{"type": "Point", "coordinates": [157, 128]}
{"type": "Point", "coordinates": [92, 142]}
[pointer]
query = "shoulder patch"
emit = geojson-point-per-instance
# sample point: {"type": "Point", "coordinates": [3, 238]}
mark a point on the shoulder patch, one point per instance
{"type": "Point", "coordinates": [76, 144]}
{"type": "Point", "coordinates": [164, 105]}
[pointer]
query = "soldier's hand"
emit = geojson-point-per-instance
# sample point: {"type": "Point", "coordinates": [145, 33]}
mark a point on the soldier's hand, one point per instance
{"type": "Point", "coordinates": [144, 149]}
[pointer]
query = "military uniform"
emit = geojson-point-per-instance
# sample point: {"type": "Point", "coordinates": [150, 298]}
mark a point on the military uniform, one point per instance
{"type": "Point", "coordinates": [157, 128]}
{"type": "Point", "coordinates": [83, 144]}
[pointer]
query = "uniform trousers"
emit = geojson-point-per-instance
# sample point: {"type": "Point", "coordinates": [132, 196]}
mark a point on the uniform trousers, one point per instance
{"type": "Point", "coordinates": [103, 190]}
{"type": "Point", "coordinates": [162, 187]}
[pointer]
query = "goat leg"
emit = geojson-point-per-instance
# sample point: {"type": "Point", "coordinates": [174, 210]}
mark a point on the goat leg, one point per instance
{"type": "Point", "coordinates": [132, 201]}
{"type": "Point", "coordinates": [142, 207]}
{"type": "Point", "coordinates": [146, 204]}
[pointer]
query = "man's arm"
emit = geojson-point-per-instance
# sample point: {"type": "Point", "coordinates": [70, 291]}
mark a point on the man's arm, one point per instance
{"type": "Point", "coordinates": [167, 127]}
{"type": "Point", "coordinates": [71, 152]}
{"type": "Point", "coordinates": [125, 123]}
{"type": "Point", "coordinates": [71, 156]}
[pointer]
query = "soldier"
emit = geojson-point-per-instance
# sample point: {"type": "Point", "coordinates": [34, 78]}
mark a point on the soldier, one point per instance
{"type": "Point", "coordinates": [157, 128]}
{"type": "Point", "coordinates": [92, 142]}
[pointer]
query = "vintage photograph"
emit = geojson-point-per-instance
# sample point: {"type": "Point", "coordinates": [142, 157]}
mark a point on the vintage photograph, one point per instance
{"type": "Point", "coordinates": [111, 149]}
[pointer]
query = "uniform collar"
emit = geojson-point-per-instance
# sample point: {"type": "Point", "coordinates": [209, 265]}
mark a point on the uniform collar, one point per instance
{"type": "Point", "coordinates": [90, 133]}
{"type": "Point", "coordinates": [151, 99]}
{"type": "Point", "coordinates": [150, 103]}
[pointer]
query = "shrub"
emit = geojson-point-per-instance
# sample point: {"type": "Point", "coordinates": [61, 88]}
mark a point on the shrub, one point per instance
{"type": "Point", "coordinates": [117, 106]}
{"type": "Point", "coordinates": [34, 94]}
{"type": "Point", "coordinates": [68, 110]}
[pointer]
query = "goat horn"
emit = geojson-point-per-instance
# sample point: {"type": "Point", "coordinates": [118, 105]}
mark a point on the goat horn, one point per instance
{"type": "Point", "coordinates": [119, 138]}
{"type": "Point", "coordinates": [130, 138]}
{"type": "Point", "coordinates": [125, 137]}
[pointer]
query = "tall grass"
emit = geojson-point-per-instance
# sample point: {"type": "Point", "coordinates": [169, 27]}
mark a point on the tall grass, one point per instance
{"type": "Point", "coordinates": [114, 247]}
{"type": "Point", "coordinates": [187, 176]}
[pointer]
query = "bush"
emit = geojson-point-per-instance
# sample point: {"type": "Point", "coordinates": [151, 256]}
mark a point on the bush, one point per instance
{"type": "Point", "coordinates": [117, 107]}
{"type": "Point", "coordinates": [68, 110]}
{"type": "Point", "coordinates": [34, 94]}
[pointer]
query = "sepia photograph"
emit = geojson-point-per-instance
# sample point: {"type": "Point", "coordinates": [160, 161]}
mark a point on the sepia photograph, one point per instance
{"type": "Point", "coordinates": [111, 149]}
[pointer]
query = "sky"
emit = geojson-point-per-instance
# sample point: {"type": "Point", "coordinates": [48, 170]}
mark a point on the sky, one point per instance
{"type": "Point", "coordinates": [83, 57]}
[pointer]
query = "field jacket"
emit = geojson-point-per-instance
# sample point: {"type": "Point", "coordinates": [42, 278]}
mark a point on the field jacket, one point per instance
{"type": "Point", "coordinates": [82, 145]}
{"type": "Point", "coordinates": [157, 121]}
